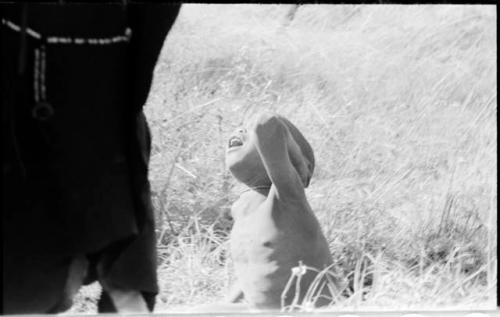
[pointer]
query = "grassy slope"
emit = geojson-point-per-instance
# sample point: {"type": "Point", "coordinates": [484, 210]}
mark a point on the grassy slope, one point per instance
{"type": "Point", "coordinates": [399, 103]}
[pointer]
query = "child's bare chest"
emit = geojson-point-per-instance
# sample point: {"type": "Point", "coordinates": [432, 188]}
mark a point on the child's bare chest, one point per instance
{"type": "Point", "coordinates": [265, 229]}
{"type": "Point", "coordinates": [254, 230]}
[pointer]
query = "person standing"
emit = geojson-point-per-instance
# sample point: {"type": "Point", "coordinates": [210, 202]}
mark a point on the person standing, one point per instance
{"type": "Point", "coordinates": [76, 197]}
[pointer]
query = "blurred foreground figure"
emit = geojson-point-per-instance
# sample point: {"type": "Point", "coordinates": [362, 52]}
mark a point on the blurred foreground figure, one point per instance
{"type": "Point", "coordinates": [76, 198]}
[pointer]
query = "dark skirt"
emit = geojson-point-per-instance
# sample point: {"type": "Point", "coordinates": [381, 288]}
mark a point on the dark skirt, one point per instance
{"type": "Point", "coordinates": [76, 145]}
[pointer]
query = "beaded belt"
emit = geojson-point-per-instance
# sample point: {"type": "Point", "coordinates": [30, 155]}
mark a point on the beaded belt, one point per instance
{"type": "Point", "coordinates": [43, 110]}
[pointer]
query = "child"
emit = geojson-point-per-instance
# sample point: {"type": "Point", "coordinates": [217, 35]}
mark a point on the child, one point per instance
{"type": "Point", "coordinates": [274, 226]}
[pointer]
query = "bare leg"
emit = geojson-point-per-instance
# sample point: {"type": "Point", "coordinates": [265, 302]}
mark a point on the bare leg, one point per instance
{"type": "Point", "coordinates": [118, 299]}
{"type": "Point", "coordinates": [128, 301]}
{"type": "Point", "coordinates": [76, 274]}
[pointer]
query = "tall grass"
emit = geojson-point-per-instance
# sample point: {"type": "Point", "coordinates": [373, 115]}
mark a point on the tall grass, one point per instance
{"type": "Point", "coordinates": [399, 104]}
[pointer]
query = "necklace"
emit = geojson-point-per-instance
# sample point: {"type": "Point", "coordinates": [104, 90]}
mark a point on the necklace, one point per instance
{"type": "Point", "coordinates": [254, 188]}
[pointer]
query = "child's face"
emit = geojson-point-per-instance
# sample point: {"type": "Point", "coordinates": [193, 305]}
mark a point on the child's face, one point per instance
{"type": "Point", "coordinates": [243, 159]}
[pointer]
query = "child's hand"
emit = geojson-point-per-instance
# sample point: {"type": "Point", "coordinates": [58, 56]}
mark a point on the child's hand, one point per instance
{"type": "Point", "coordinates": [299, 162]}
{"type": "Point", "coordinates": [260, 117]}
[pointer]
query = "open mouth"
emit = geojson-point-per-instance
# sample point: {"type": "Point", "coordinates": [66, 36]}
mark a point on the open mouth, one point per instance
{"type": "Point", "coordinates": [235, 141]}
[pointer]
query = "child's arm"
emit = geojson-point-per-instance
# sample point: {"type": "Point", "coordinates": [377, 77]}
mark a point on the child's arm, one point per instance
{"type": "Point", "coordinates": [278, 150]}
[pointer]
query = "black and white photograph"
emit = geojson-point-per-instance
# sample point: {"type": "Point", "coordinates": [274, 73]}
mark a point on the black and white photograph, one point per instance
{"type": "Point", "coordinates": [190, 159]}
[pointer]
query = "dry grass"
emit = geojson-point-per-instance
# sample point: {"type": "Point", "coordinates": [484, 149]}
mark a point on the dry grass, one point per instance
{"type": "Point", "coordinates": [399, 103]}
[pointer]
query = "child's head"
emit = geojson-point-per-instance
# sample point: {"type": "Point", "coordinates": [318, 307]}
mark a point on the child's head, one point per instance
{"type": "Point", "coordinates": [244, 162]}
